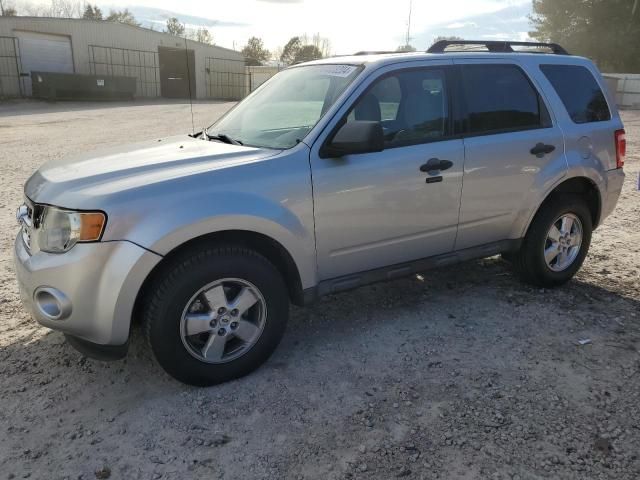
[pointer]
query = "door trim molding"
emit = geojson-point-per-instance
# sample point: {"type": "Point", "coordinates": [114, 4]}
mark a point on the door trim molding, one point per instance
{"type": "Point", "coordinates": [355, 280]}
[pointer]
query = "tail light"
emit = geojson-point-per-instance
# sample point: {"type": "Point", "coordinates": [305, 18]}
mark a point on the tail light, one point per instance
{"type": "Point", "coordinates": [621, 148]}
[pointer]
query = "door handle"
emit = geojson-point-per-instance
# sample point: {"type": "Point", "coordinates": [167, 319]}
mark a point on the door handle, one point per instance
{"type": "Point", "coordinates": [541, 149]}
{"type": "Point", "coordinates": [435, 164]}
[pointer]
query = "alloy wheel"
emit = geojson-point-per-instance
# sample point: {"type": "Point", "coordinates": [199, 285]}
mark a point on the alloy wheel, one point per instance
{"type": "Point", "coordinates": [563, 242]}
{"type": "Point", "coordinates": [223, 320]}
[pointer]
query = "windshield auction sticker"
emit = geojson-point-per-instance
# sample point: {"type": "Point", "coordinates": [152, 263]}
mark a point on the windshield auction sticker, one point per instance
{"type": "Point", "coordinates": [338, 70]}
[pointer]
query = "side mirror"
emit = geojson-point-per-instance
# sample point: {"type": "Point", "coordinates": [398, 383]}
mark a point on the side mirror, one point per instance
{"type": "Point", "coordinates": [355, 137]}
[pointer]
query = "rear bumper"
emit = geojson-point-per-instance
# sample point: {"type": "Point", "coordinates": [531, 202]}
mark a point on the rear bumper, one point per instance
{"type": "Point", "coordinates": [88, 292]}
{"type": "Point", "coordinates": [615, 180]}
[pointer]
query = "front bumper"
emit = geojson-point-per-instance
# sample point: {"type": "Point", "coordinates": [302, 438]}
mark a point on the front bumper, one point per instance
{"type": "Point", "coordinates": [97, 283]}
{"type": "Point", "coordinates": [615, 180]}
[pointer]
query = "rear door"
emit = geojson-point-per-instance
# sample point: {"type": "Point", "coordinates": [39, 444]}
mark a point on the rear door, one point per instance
{"type": "Point", "coordinates": [512, 149]}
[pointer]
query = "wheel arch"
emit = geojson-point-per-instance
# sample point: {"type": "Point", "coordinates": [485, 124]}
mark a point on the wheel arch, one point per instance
{"type": "Point", "coordinates": [266, 246]}
{"type": "Point", "coordinates": [579, 185]}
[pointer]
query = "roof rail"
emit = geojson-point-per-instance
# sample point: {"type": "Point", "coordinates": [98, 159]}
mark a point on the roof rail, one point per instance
{"type": "Point", "coordinates": [374, 52]}
{"type": "Point", "coordinates": [496, 46]}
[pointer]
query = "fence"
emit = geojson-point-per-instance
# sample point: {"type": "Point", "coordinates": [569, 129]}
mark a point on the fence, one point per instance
{"type": "Point", "coordinates": [226, 78]}
{"type": "Point", "coordinates": [229, 79]}
{"type": "Point", "coordinates": [141, 64]}
{"type": "Point", "coordinates": [257, 75]}
{"type": "Point", "coordinates": [626, 88]}
{"type": "Point", "coordinates": [10, 82]}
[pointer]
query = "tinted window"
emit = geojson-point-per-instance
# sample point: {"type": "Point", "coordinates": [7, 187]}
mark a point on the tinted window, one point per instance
{"type": "Point", "coordinates": [411, 106]}
{"type": "Point", "coordinates": [388, 93]}
{"type": "Point", "coordinates": [579, 92]}
{"type": "Point", "coordinates": [499, 98]}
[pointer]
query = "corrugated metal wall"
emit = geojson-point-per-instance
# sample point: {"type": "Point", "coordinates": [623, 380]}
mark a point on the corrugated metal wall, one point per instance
{"type": "Point", "coordinates": [9, 68]}
{"type": "Point", "coordinates": [127, 39]}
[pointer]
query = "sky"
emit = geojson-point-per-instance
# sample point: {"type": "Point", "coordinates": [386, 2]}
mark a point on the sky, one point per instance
{"type": "Point", "coordinates": [351, 25]}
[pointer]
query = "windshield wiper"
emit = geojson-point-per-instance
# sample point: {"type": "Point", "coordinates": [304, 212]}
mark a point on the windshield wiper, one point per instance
{"type": "Point", "coordinates": [222, 137]}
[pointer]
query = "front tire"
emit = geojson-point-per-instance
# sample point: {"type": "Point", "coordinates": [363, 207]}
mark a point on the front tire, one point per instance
{"type": "Point", "coordinates": [557, 242]}
{"type": "Point", "coordinates": [215, 314]}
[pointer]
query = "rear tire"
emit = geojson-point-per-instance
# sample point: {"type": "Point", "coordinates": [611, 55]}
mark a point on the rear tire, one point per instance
{"type": "Point", "coordinates": [543, 262]}
{"type": "Point", "coordinates": [215, 314]}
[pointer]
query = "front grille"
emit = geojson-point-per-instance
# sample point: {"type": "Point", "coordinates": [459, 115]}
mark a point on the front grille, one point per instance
{"type": "Point", "coordinates": [27, 223]}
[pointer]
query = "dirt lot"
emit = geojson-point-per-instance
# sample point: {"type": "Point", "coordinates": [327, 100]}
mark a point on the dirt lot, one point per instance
{"type": "Point", "coordinates": [467, 374]}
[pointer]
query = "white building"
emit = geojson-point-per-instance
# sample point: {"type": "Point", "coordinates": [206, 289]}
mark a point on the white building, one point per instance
{"type": "Point", "coordinates": [163, 65]}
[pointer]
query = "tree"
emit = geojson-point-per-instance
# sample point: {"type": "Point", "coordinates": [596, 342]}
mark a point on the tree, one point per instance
{"type": "Point", "coordinates": [305, 48]}
{"type": "Point", "coordinates": [290, 50]}
{"type": "Point", "coordinates": [34, 10]}
{"type": "Point", "coordinates": [63, 9]}
{"type": "Point", "coordinates": [406, 48]}
{"type": "Point", "coordinates": [451, 37]}
{"type": "Point", "coordinates": [7, 11]}
{"type": "Point", "coordinates": [122, 16]}
{"type": "Point", "coordinates": [174, 27]}
{"type": "Point", "coordinates": [92, 12]}
{"type": "Point", "coordinates": [321, 43]}
{"type": "Point", "coordinates": [254, 52]}
{"type": "Point", "coordinates": [203, 35]}
{"type": "Point", "coordinates": [604, 30]}
{"type": "Point", "coordinates": [307, 53]}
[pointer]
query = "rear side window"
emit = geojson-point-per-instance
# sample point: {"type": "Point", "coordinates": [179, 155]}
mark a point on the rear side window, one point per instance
{"type": "Point", "coordinates": [579, 92]}
{"type": "Point", "coordinates": [500, 98]}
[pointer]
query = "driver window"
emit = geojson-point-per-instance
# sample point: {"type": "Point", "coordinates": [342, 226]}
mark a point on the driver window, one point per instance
{"type": "Point", "coordinates": [411, 105]}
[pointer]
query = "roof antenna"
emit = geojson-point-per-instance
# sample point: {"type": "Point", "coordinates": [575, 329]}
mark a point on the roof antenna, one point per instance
{"type": "Point", "coordinates": [186, 53]}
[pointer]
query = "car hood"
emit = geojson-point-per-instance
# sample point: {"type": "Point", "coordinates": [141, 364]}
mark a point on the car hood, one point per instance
{"type": "Point", "coordinates": [71, 181]}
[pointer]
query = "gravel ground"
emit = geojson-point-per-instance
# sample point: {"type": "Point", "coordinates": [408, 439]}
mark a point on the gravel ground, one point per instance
{"type": "Point", "coordinates": [464, 374]}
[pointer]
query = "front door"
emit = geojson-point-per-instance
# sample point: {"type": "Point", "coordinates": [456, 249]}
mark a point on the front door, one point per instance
{"type": "Point", "coordinates": [379, 209]}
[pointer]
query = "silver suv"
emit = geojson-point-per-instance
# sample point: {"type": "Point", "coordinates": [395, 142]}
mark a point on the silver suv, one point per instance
{"type": "Point", "coordinates": [334, 174]}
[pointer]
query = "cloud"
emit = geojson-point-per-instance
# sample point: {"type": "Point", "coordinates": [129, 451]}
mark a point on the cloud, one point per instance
{"type": "Point", "coordinates": [461, 25]}
{"type": "Point", "coordinates": [497, 36]}
{"type": "Point", "coordinates": [158, 17]}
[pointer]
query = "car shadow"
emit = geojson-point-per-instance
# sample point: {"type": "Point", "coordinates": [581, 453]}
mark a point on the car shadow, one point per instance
{"type": "Point", "coordinates": [431, 300]}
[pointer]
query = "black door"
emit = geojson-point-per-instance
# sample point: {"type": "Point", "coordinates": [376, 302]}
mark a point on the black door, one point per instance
{"type": "Point", "coordinates": [177, 72]}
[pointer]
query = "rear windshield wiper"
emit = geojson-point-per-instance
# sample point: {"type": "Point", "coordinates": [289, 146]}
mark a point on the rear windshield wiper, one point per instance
{"type": "Point", "coordinates": [222, 137]}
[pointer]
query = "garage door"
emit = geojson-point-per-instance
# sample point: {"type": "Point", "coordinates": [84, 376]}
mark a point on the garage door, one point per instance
{"type": "Point", "coordinates": [41, 52]}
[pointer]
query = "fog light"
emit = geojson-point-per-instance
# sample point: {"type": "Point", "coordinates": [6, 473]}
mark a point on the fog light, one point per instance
{"type": "Point", "coordinates": [52, 303]}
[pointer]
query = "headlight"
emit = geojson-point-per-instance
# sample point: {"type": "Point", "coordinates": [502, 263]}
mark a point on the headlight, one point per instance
{"type": "Point", "coordinates": [60, 230]}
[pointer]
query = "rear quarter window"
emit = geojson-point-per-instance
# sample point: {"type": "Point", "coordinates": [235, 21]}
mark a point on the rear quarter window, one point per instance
{"type": "Point", "coordinates": [579, 92]}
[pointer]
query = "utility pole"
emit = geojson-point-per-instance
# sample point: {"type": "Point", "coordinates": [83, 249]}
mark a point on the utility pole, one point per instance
{"type": "Point", "coordinates": [408, 39]}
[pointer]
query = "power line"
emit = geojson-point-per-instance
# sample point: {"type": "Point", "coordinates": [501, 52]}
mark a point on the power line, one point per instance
{"type": "Point", "coordinates": [408, 39]}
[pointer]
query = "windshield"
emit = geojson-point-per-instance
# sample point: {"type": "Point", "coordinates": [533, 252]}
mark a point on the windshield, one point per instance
{"type": "Point", "coordinates": [284, 110]}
